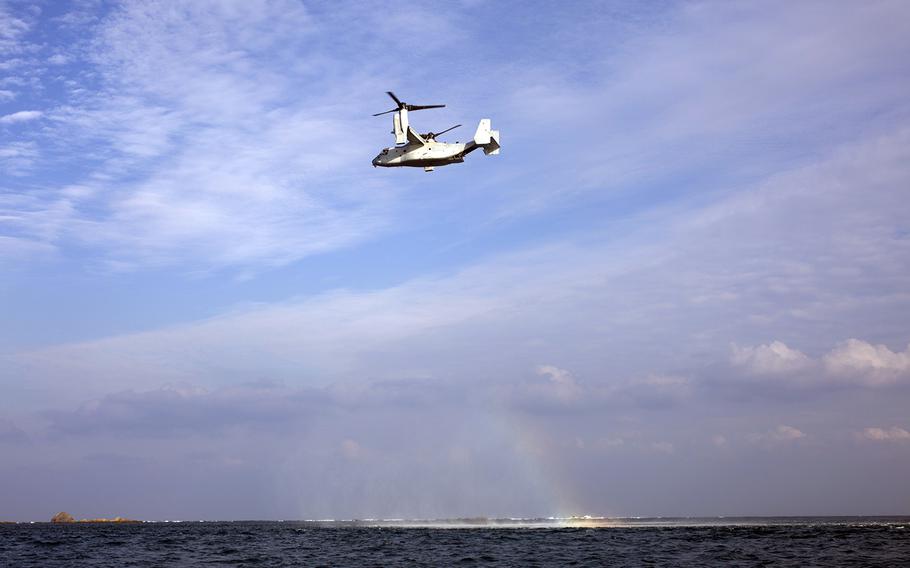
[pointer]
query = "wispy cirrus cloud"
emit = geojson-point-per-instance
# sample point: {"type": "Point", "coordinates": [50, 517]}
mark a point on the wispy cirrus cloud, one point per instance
{"type": "Point", "coordinates": [20, 116]}
{"type": "Point", "coordinates": [209, 147]}
{"type": "Point", "coordinates": [165, 106]}
{"type": "Point", "coordinates": [706, 95]}
{"type": "Point", "coordinates": [603, 292]}
{"type": "Point", "coordinates": [13, 28]}
{"type": "Point", "coordinates": [17, 158]}
{"type": "Point", "coordinates": [19, 51]}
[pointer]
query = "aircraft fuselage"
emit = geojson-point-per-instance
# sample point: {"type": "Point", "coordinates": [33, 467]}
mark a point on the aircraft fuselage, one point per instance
{"type": "Point", "coordinates": [423, 155]}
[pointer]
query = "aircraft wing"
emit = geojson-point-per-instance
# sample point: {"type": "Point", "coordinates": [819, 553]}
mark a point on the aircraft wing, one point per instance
{"type": "Point", "coordinates": [414, 137]}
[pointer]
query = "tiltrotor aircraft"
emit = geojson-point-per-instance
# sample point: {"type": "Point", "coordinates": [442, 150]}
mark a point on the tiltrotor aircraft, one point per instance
{"type": "Point", "coordinates": [417, 150]}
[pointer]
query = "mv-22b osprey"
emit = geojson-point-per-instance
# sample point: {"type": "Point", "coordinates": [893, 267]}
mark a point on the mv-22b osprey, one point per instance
{"type": "Point", "coordinates": [417, 150]}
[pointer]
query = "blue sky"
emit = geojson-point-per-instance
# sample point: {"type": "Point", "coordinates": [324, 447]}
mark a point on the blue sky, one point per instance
{"type": "Point", "coordinates": [681, 289]}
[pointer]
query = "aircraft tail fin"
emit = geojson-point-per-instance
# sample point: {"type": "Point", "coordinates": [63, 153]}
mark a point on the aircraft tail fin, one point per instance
{"type": "Point", "coordinates": [486, 138]}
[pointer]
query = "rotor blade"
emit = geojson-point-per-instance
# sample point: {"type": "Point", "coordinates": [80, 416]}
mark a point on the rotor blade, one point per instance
{"type": "Point", "coordinates": [394, 98]}
{"type": "Point", "coordinates": [421, 107]}
{"type": "Point", "coordinates": [386, 112]}
{"type": "Point", "coordinates": [447, 129]}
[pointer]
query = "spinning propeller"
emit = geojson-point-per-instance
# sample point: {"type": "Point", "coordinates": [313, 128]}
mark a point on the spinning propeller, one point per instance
{"type": "Point", "coordinates": [406, 106]}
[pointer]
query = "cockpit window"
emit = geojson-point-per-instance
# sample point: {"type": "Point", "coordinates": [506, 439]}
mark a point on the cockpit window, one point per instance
{"type": "Point", "coordinates": [385, 151]}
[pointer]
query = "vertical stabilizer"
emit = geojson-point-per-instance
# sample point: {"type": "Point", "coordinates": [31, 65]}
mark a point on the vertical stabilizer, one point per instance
{"type": "Point", "coordinates": [482, 134]}
{"type": "Point", "coordinates": [486, 138]}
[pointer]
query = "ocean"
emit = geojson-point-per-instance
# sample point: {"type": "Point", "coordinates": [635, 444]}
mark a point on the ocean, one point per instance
{"type": "Point", "coordinates": [828, 542]}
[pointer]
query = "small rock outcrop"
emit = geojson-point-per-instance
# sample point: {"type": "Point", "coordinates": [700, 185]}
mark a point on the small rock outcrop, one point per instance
{"type": "Point", "coordinates": [63, 517]}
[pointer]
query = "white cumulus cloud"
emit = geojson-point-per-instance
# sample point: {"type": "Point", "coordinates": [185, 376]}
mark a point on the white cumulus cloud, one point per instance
{"type": "Point", "coordinates": [894, 434]}
{"type": "Point", "coordinates": [563, 384]}
{"type": "Point", "coordinates": [871, 364]}
{"type": "Point", "coordinates": [773, 359]}
{"type": "Point", "coordinates": [852, 363]}
{"type": "Point", "coordinates": [783, 434]}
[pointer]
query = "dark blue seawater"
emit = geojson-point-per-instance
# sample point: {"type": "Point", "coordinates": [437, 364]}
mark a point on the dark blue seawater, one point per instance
{"type": "Point", "coordinates": [828, 542]}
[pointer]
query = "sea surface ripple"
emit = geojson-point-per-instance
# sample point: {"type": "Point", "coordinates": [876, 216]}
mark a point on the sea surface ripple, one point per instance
{"type": "Point", "coordinates": [684, 542]}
